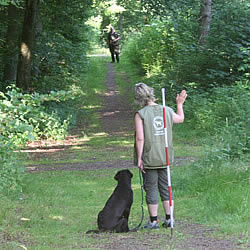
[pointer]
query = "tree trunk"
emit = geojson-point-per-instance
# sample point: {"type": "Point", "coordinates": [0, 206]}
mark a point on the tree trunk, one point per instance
{"type": "Point", "coordinates": [121, 23]}
{"type": "Point", "coordinates": [11, 49]}
{"type": "Point", "coordinates": [27, 44]}
{"type": "Point", "coordinates": [205, 19]}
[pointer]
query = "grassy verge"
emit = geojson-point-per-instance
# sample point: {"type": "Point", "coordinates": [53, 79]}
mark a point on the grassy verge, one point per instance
{"type": "Point", "coordinates": [218, 197]}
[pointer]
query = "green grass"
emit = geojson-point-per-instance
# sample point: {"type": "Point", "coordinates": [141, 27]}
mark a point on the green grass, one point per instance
{"type": "Point", "coordinates": [57, 208]}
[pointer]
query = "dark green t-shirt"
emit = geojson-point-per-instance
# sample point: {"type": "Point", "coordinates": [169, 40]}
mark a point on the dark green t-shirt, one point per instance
{"type": "Point", "coordinates": [154, 154]}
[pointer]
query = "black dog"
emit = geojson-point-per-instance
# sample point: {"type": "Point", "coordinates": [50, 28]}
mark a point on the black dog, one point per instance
{"type": "Point", "coordinates": [114, 216]}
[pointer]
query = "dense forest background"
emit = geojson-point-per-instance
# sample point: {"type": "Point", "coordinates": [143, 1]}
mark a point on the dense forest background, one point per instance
{"type": "Point", "coordinates": [199, 45]}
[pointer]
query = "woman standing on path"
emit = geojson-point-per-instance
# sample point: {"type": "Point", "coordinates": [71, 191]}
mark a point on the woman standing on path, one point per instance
{"type": "Point", "coordinates": [113, 43]}
{"type": "Point", "coordinates": [150, 148]}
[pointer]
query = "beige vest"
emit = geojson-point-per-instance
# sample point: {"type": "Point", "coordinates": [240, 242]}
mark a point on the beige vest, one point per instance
{"type": "Point", "coordinates": [154, 154]}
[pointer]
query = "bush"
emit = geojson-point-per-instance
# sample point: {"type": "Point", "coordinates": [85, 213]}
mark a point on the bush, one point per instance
{"type": "Point", "coordinates": [222, 116]}
{"type": "Point", "coordinates": [58, 61]}
{"type": "Point", "coordinates": [23, 118]}
{"type": "Point", "coordinates": [11, 170]}
{"type": "Point", "coordinates": [159, 36]}
{"type": "Point", "coordinates": [170, 47]}
{"type": "Point", "coordinates": [212, 192]}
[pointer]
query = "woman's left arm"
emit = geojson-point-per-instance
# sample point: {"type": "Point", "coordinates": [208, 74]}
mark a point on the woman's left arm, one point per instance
{"type": "Point", "coordinates": [139, 129]}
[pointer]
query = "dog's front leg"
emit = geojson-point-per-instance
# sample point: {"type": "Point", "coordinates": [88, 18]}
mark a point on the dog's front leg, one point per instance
{"type": "Point", "coordinates": [122, 226]}
{"type": "Point", "coordinates": [126, 212]}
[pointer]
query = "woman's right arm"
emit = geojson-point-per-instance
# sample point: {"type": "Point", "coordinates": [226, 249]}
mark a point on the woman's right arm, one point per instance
{"type": "Point", "coordinates": [178, 117]}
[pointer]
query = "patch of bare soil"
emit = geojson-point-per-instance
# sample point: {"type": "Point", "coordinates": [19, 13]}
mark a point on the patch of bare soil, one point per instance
{"type": "Point", "coordinates": [186, 235]}
{"type": "Point", "coordinates": [117, 119]}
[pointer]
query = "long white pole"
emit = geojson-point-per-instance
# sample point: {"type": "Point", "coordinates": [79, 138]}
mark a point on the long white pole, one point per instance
{"type": "Point", "coordinates": [167, 160]}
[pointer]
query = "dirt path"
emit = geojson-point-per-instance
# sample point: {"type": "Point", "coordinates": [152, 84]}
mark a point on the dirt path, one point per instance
{"type": "Point", "coordinates": [116, 120]}
{"type": "Point", "coordinates": [117, 112]}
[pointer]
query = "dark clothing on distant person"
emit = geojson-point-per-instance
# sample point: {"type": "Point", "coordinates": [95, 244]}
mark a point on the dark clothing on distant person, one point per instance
{"type": "Point", "coordinates": [113, 42]}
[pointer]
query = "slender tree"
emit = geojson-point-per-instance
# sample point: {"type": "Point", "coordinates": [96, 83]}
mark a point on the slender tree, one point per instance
{"type": "Point", "coordinates": [205, 19]}
{"type": "Point", "coordinates": [27, 44]}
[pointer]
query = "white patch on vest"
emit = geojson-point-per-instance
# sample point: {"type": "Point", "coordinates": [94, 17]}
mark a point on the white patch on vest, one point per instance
{"type": "Point", "coordinates": [158, 125]}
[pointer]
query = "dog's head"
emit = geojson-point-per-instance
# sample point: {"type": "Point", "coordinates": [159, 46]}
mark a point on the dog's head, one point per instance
{"type": "Point", "coordinates": [123, 173]}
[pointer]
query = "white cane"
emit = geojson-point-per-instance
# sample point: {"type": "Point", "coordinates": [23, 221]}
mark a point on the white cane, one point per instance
{"type": "Point", "coordinates": [167, 160]}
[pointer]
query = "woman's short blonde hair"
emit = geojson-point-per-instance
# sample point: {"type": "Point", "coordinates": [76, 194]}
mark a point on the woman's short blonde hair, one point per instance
{"type": "Point", "coordinates": [143, 94]}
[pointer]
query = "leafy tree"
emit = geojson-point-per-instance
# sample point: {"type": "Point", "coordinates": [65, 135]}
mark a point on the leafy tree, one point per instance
{"type": "Point", "coordinates": [132, 18]}
{"type": "Point", "coordinates": [111, 13]}
{"type": "Point", "coordinates": [52, 31]}
{"type": "Point", "coordinates": [62, 44]}
{"type": "Point", "coordinates": [224, 58]}
{"type": "Point", "coordinates": [164, 8]}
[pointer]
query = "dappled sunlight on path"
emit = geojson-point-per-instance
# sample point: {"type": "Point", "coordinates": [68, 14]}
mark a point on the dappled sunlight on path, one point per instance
{"type": "Point", "coordinates": [117, 114]}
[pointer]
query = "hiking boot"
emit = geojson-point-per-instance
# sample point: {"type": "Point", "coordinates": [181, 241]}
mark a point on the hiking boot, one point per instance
{"type": "Point", "coordinates": [167, 223]}
{"type": "Point", "coordinates": [152, 225]}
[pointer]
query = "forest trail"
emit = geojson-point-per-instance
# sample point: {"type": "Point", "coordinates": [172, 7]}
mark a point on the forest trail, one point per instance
{"type": "Point", "coordinates": [116, 118]}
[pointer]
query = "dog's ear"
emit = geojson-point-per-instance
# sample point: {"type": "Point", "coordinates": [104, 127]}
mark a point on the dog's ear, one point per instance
{"type": "Point", "coordinates": [130, 174]}
{"type": "Point", "coordinates": [117, 176]}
